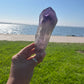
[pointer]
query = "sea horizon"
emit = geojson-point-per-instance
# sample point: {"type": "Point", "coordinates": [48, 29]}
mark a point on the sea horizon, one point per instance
{"type": "Point", "coordinates": [31, 29]}
{"type": "Point", "coordinates": [17, 23]}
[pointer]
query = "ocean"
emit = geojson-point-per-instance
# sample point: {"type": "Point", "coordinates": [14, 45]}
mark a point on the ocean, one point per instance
{"type": "Point", "coordinates": [25, 29]}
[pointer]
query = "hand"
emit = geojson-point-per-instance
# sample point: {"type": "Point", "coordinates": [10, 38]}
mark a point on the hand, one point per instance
{"type": "Point", "coordinates": [23, 65]}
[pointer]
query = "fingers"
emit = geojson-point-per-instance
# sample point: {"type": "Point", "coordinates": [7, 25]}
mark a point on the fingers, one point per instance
{"type": "Point", "coordinates": [36, 59]}
{"type": "Point", "coordinates": [32, 52]}
{"type": "Point", "coordinates": [28, 48]}
{"type": "Point", "coordinates": [27, 51]}
{"type": "Point", "coordinates": [39, 57]}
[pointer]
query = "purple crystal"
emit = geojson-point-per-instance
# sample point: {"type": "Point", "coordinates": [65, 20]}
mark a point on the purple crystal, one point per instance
{"type": "Point", "coordinates": [47, 22]}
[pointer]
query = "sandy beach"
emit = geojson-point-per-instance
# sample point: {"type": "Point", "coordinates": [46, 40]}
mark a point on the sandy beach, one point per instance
{"type": "Point", "coordinates": [60, 39]}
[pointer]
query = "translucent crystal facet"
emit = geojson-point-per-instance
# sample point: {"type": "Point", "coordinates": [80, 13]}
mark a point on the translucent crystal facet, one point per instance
{"type": "Point", "coordinates": [47, 22]}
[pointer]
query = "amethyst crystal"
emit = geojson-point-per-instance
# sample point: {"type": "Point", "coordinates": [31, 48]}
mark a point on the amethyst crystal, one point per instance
{"type": "Point", "coordinates": [47, 22]}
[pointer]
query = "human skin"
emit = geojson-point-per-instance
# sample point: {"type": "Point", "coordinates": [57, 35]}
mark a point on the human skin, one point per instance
{"type": "Point", "coordinates": [22, 65]}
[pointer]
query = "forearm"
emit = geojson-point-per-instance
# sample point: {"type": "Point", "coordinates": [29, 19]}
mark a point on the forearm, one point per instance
{"type": "Point", "coordinates": [12, 80]}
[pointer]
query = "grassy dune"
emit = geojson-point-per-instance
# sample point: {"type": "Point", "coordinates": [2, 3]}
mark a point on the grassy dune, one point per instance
{"type": "Point", "coordinates": [63, 64]}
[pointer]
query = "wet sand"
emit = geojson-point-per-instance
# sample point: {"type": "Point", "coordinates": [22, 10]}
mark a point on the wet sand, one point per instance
{"type": "Point", "coordinates": [59, 39]}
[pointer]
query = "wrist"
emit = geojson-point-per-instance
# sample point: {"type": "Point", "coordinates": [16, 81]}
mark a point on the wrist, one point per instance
{"type": "Point", "coordinates": [13, 80]}
{"type": "Point", "coordinates": [16, 77]}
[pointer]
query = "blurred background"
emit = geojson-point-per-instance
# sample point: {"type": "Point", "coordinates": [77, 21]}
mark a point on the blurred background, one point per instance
{"type": "Point", "coordinates": [22, 16]}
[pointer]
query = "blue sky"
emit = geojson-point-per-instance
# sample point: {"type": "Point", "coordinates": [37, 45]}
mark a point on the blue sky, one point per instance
{"type": "Point", "coordinates": [69, 12]}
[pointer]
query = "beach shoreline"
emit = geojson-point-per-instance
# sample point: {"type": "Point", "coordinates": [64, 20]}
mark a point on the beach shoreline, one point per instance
{"type": "Point", "coordinates": [58, 39]}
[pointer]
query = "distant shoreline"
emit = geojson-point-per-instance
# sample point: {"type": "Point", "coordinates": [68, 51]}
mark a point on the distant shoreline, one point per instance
{"type": "Point", "coordinates": [26, 29]}
{"type": "Point", "coordinates": [37, 24]}
{"type": "Point", "coordinates": [14, 23]}
{"type": "Point", "coordinates": [58, 39]}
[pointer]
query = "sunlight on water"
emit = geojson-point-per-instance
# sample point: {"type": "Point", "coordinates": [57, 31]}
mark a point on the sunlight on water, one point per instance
{"type": "Point", "coordinates": [17, 29]}
{"type": "Point", "coordinates": [5, 28]}
{"type": "Point", "coordinates": [9, 29]}
{"type": "Point", "coordinates": [31, 30]}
